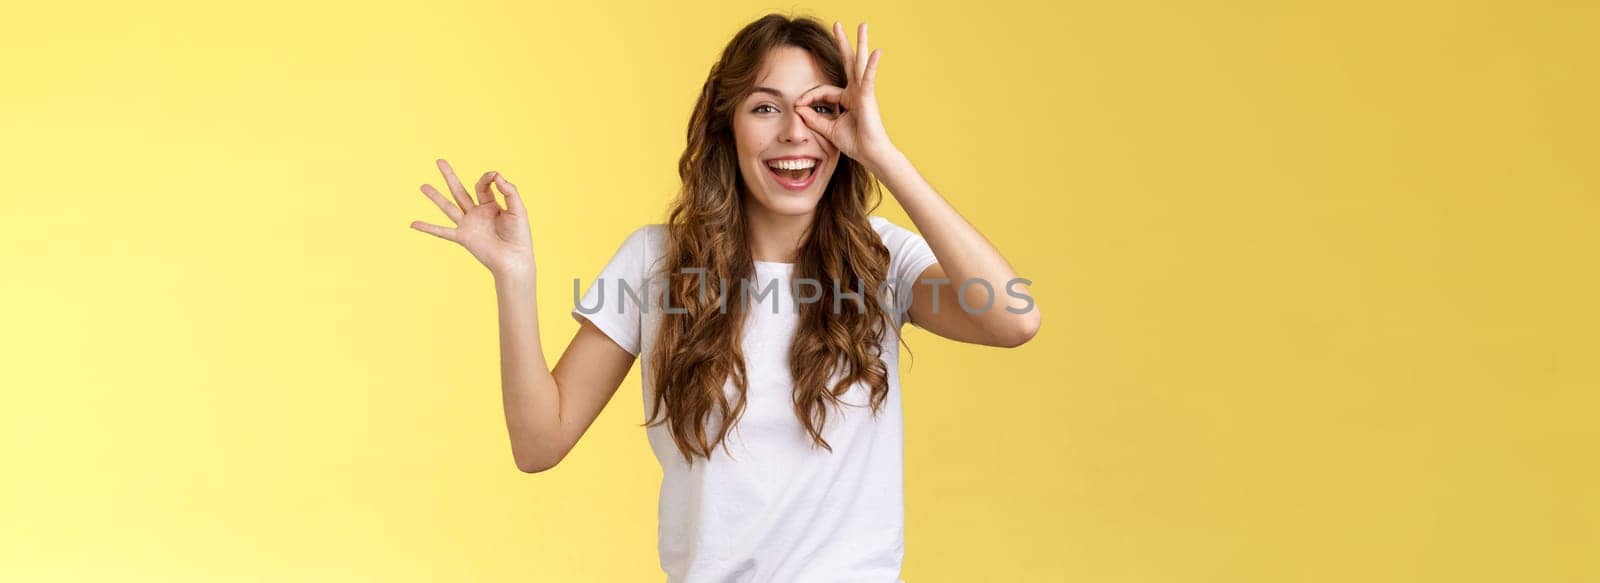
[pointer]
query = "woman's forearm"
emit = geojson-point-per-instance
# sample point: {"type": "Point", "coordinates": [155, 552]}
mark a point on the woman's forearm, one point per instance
{"type": "Point", "coordinates": [528, 390]}
{"type": "Point", "coordinates": [963, 252]}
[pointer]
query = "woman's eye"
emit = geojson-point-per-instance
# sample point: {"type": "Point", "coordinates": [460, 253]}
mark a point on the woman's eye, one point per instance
{"type": "Point", "coordinates": [822, 108]}
{"type": "Point", "coordinates": [766, 107]}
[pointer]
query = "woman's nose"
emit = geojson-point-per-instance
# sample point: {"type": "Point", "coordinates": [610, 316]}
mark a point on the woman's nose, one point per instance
{"type": "Point", "coordinates": [795, 130]}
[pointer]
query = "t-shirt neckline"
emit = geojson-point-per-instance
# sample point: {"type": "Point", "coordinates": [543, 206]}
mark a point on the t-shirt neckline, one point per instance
{"type": "Point", "coordinates": [774, 265]}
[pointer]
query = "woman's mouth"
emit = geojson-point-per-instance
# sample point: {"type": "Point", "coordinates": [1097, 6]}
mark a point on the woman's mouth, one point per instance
{"type": "Point", "coordinates": [793, 173]}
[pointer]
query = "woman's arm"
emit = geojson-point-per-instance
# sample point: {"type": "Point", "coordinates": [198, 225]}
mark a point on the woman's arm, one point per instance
{"type": "Point", "coordinates": [546, 411]}
{"type": "Point", "coordinates": [963, 253]}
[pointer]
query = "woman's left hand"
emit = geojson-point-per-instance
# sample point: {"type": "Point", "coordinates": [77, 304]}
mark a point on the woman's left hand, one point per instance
{"type": "Point", "coordinates": [854, 127]}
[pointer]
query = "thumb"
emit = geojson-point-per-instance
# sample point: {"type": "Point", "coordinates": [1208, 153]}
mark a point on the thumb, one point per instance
{"type": "Point", "coordinates": [513, 198]}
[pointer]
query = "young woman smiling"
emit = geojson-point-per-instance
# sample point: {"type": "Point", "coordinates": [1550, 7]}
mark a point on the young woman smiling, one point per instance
{"type": "Point", "coordinates": [803, 401]}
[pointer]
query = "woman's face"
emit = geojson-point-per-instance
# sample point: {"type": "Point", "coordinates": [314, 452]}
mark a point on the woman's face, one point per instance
{"type": "Point", "coordinates": [785, 165]}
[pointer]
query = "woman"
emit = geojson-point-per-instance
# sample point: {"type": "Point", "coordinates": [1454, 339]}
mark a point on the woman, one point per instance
{"type": "Point", "coordinates": [805, 483]}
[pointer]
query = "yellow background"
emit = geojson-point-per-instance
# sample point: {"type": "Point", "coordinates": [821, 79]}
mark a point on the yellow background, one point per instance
{"type": "Point", "coordinates": [1319, 286]}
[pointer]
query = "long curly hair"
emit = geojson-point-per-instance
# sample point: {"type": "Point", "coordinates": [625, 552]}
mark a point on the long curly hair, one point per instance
{"type": "Point", "coordinates": [698, 349]}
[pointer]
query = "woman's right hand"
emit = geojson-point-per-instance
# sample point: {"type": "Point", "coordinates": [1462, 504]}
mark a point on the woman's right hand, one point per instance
{"type": "Point", "coordinates": [497, 237]}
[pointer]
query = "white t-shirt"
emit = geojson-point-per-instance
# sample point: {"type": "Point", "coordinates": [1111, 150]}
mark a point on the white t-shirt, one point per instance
{"type": "Point", "coordinates": [781, 509]}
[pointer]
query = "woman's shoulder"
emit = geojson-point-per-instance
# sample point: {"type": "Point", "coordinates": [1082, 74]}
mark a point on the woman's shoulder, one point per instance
{"type": "Point", "coordinates": [909, 253]}
{"type": "Point", "coordinates": [889, 231]}
{"type": "Point", "coordinates": [648, 234]}
{"type": "Point", "coordinates": [647, 245]}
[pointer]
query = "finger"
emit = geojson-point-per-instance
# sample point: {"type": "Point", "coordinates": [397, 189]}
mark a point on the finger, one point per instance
{"type": "Point", "coordinates": [869, 77]}
{"type": "Point", "coordinates": [513, 199]}
{"type": "Point", "coordinates": [485, 195]}
{"type": "Point", "coordinates": [844, 51]}
{"type": "Point", "coordinates": [822, 125]}
{"type": "Point", "coordinates": [455, 185]}
{"type": "Point", "coordinates": [821, 93]}
{"type": "Point", "coordinates": [445, 233]}
{"type": "Point", "coordinates": [861, 49]}
{"type": "Point", "coordinates": [450, 209]}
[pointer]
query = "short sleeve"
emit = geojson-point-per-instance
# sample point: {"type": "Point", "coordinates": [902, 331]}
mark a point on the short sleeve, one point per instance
{"type": "Point", "coordinates": [909, 256]}
{"type": "Point", "coordinates": [613, 299]}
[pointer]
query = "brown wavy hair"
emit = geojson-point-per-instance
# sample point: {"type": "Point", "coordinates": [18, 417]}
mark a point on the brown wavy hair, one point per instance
{"type": "Point", "coordinates": [697, 351]}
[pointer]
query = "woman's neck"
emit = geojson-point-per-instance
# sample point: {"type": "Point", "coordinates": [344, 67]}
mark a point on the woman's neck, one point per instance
{"type": "Point", "coordinates": [775, 238]}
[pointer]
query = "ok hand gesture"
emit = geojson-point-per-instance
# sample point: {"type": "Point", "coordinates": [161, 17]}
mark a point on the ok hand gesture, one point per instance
{"type": "Point", "coordinates": [857, 130]}
{"type": "Point", "coordinates": [497, 237]}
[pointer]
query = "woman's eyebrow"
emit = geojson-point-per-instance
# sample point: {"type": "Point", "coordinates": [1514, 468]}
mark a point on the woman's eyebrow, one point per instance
{"type": "Point", "coordinates": [775, 92]}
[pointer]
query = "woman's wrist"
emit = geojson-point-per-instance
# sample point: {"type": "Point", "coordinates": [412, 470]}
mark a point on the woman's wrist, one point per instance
{"type": "Point", "coordinates": [882, 159]}
{"type": "Point", "coordinates": [515, 275]}
{"type": "Point", "coordinates": [889, 167]}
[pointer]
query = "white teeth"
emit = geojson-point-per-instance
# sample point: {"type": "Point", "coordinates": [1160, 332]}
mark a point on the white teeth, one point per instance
{"type": "Point", "coordinates": [800, 164]}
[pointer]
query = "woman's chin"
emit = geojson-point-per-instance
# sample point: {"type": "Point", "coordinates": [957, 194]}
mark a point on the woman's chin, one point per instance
{"type": "Point", "coordinates": [780, 201]}
{"type": "Point", "coordinates": [790, 203]}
